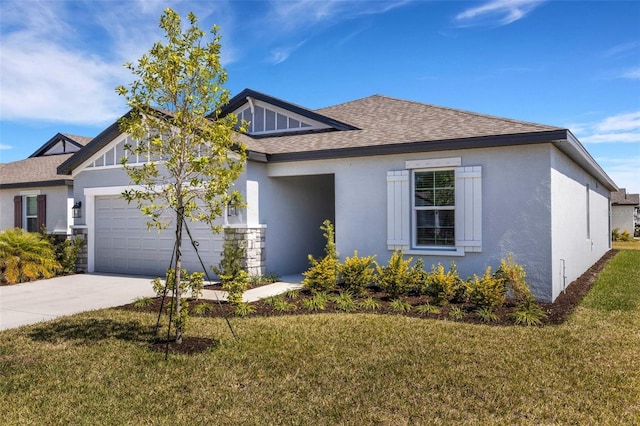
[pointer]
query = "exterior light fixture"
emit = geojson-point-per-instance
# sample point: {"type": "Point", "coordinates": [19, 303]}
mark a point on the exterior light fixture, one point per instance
{"type": "Point", "coordinates": [77, 210]}
{"type": "Point", "coordinates": [232, 210]}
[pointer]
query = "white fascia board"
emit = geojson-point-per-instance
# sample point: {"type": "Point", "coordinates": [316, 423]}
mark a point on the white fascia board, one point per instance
{"type": "Point", "coordinates": [104, 149]}
{"type": "Point", "coordinates": [577, 152]}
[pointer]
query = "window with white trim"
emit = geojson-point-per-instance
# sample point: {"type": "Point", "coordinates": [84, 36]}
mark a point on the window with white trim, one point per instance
{"type": "Point", "coordinates": [434, 206]}
{"type": "Point", "coordinates": [31, 213]}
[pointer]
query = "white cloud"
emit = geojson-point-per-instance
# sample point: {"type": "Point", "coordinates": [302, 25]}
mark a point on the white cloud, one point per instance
{"type": "Point", "coordinates": [625, 172]}
{"type": "Point", "coordinates": [292, 15]}
{"type": "Point", "coordinates": [281, 54]}
{"type": "Point", "coordinates": [497, 12]}
{"type": "Point", "coordinates": [620, 128]}
{"type": "Point", "coordinates": [633, 74]}
{"type": "Point", "coordinates": [5, 147]}
{"type": "Point", "coordinates": [61, 61]}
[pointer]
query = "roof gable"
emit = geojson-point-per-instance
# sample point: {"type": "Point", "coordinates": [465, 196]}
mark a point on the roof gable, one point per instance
{"type": "Point", "coordinates": [61, 143]}
{"type": "Point", "coordinates": [269, 116]}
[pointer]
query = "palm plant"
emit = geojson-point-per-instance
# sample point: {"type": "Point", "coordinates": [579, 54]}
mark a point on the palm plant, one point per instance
{"type": "Point", "coordinates": [26, 256]}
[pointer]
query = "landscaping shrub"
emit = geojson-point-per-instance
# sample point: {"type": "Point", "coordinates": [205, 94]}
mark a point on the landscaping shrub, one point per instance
{"type": "Point", "coordinates": [189, 283]}
{"type": "Point", "coordinates": [615, 234]}
{"type": "Point", "coordinates": [397, 278]}
{"type": "Point", "coordinates": [529, 313]}
{"type": "Point", "coordinates": [26, 256]}
{"type": "Point", "coordinates": [316, 303]}
{"type": "Point", "coordinates": [66, 251]}
{"type": "Point", "coordinates": [344, 302]}
{"type": "Point", "coordinates": [443, 286]}
{"type": "Point", "coordinates": [427, 308]}
{"type": "Point", "coordinates": [233, 278]}
{"type": "Point", "coordinates": [514, 278]}
{"type": "Point", "coordinates": [356, 273]}
{"type": "Point", "coordinates": [400, 305]}
{"type": "Point", "coordinates": [486, 292]}
{"type": "Point", "coordinates": [370, 304]}
{"type": "Point", "coordinates": [322, 276]}
{"type": "Point", "coordinates": [625, 236]}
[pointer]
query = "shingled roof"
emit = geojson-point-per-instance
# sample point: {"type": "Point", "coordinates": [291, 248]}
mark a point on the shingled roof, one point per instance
{"type": "Point", "coordinates": [382, 121]}
{"type": "Point", "coordinates": [622, 198]}
{"type": "Point", "coordinates": [40, 169]}
{"type": "Point", "coordinates": [34, 171]}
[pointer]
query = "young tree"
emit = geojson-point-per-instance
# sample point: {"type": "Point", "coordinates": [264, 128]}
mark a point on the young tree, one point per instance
{"type": "Point", "coordinates": [192, 155]}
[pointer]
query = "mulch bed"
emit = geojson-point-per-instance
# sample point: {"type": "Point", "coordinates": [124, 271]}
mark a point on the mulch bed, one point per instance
{"type": "Point", "coordinates": [557, 312]}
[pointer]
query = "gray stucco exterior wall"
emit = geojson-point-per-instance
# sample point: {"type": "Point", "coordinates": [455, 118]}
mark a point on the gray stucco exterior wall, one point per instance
{"type": "Point", "coordinates": [58, 206]}
{"type": "Point", "coordinates": [580, 221]}
{"type": "Point", "coordinates": [516, 216]}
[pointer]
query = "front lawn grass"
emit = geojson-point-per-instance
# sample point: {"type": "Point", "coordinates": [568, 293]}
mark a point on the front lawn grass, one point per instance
{"type": "Point", "coordinates": [96, 368]}
{"type": "Point", "coordinates": [627, 245]}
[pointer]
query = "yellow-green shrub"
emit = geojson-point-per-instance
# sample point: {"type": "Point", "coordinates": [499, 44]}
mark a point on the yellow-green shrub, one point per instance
{"type": "Point", "coordinates": [397, 278]}
{"type": "Point", "coordinates": [443, 286]}
{"type": "Point", "coordinates": [356, 273]}
{"type": "Point", "coordinates": [486, 291]}
{"type": "Point", "coordinates": [25, 256]}
{"type": "Point", "coordinates": [514, 278]}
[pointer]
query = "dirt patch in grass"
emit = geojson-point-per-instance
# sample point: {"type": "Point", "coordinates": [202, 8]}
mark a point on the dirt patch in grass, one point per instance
{"type": "Point", "coordinates": [557, 312]}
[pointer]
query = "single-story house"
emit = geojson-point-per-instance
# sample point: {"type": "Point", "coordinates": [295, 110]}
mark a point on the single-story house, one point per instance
{"type": "Point", "coordinates": [33, 194]}
{"type": "Point", "coordinates": [625, 210]}
{"type": "Point", "coordinates": [440, 184]}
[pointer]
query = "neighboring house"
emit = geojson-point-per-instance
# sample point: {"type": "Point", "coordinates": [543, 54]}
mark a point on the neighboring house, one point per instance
{"type": "Point", "coordinates": [441, 184]}
{"type": "Point", "coordinates": [624, 211]}
{"type": "Point", "coordinates": [33, 194]}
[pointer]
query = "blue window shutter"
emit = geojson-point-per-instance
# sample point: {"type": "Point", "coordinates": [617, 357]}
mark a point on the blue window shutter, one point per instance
{"type": "Point", "coordinates": [469, 208]}
{"type": "Point", "coordinates": [398, 214]}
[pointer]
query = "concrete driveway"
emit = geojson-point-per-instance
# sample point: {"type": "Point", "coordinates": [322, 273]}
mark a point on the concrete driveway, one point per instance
{"type": "Point", "coordinates": [43, 300]}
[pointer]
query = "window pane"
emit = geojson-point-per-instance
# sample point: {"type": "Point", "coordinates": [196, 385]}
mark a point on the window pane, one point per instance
{"type": "Point", "coordinates": [32, 206]}
{"type": "Point", "coordinates": [270, 120]}
{"type": "Point", "coordinates": [120, 152]}
{"type": "Point", "coordinates": [109, 158]}
{"type": "Point", "coordinates": [433, 189]}
{"type": "Point", "coordinates": [293, 124]}
{"type": "Point", "coordinates": [258, 125]}
{"type": "Point", "coordinates": [32, 224]}
{"type": "Point", "coordinates": [435, 227]}
{"type": "Point", "coordinates": [282, 122]}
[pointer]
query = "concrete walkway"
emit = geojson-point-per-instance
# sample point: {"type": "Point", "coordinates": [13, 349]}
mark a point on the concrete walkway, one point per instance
{"type": "Point", "coordinates": [291, 282]}
{"type": "Point", "coordinates": [43, 300]}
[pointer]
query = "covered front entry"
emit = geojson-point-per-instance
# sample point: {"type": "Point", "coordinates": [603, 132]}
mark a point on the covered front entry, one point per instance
{"type": "Point", "coordinates": [293, 209]}
{"type": "Point", "coordinates": [123, 244]}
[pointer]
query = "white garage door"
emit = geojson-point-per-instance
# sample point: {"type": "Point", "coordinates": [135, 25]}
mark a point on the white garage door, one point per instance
{"type": "Point", "coordinates": [125, 246]}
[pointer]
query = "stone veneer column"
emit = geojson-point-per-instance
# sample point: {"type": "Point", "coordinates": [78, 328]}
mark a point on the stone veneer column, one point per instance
{"type": "Point", "coordinates": [82, 262]}
{"type": "Point", "coordinates": [253, 239]}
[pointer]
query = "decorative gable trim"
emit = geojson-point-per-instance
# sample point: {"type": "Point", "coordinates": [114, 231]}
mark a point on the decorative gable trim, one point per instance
{"type": "Point", "coordinates": [59, 144]}
{"type": "Point", "coordinates": [247, 96]}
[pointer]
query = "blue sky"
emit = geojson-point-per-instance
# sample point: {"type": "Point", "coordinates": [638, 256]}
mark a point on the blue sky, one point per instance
{"type": "Point", "coordinates": [574, 64]}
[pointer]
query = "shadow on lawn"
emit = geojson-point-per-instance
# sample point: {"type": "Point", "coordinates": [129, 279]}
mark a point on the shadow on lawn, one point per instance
{"type": "Point", "coordinates": [91, 330]}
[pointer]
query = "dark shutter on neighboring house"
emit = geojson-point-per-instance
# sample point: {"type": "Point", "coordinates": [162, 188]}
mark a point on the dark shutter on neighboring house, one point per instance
{"type": "Point", "coordinates": [17, 211]}
{"type": "Point", "coordinates": [42, 212]}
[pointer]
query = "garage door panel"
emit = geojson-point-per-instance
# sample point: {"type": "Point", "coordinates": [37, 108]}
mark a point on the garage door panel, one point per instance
{"type": "Point", "coordinates": [125, 245]}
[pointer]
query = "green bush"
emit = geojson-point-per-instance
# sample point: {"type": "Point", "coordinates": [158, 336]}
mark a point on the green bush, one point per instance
{"type": "Point", "coordinates": [369, 304]}
{"type": "Point", "coordinates": [456, 313]}
{"type": "Point", "coordinates": [514, 278]}
{"type": "Point", "coordinates": [398, 277]}
{"type": "Point", "coordinates": [443, 286]}
{"type": "Point", "coordinates": [356, 273]}
{"type": "Point", "coordinates": [486, 292]}
{"type": "Point", "coordinates": [400, 305]}
{"type": "Point", "coordinates": [318, 302]}
{"type": "Point", "coordinates": [615, 234]}
{"type": "Point", "coordinates": [66, 251]}
{"type": "Point", "coordinates": [529, 313]}
{"type": "Point", "coordinates": [322, 276]}
{"type": "Point", "coordinates": [344, 302]}
{"type": "Point", "coordinates": [189, 283]}
{"type": "Point", "coordinates": [487, 315]}
{"type": "Point", "coordinates": [26, 256]}
{"type": "Point", "coordinates": [427, 308]}
{"type": "Point", "coordinates": [233, 278]}
{"type": "Point", "coordinates": [625, 236]}
{"type": "Point", "coordinates": [243, 309]}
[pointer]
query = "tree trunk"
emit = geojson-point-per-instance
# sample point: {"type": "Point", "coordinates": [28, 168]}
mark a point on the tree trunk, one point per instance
{"type": "Point", "coordinates": [180, 219]}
